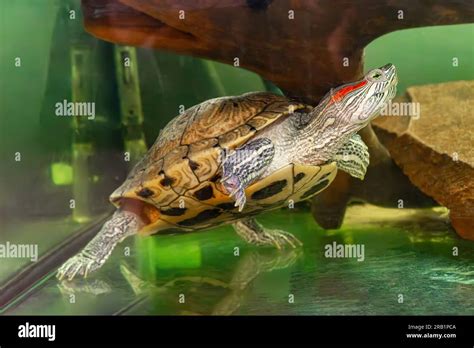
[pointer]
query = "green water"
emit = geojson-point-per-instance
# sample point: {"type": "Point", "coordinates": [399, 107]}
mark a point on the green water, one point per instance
{"type": "Point", "coordinates": [406, 252]}
{"type": "Point", "coordinates": [425, 55]}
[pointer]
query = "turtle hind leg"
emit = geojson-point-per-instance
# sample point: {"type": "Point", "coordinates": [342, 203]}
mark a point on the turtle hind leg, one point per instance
{"type": "Point", "coordinates": [254, 233]}
{"type": "Point", "coordinates": [353, 157]}
{"type": "Point", "coordinates": [93, 256]}
{"type": "Point", "coordinates": [243, 166]}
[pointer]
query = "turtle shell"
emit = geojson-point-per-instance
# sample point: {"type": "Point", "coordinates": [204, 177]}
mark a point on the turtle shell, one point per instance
{"type": "Point", "coordinates": [180, 175]}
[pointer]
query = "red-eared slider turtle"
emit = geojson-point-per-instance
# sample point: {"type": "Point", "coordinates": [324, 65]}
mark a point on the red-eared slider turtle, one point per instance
{"type": "Point", "coordinates": [228, 159]}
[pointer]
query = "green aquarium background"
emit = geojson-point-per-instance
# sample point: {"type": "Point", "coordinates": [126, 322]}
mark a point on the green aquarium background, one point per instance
{"type": "Point", "coordinates": [46, 161]}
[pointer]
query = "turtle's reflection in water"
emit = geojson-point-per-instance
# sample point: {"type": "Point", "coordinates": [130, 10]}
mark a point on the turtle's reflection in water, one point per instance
{"type": "Point", "coordinates": [204, 295]}
{"type": "Point", "coordinates": [86, 286]}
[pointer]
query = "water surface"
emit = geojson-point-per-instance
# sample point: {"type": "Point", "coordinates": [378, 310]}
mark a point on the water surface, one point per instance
{"type": "Point", "coordinates": [408, 268]}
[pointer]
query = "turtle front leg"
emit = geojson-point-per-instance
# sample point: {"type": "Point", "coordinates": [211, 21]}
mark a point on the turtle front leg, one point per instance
{"type": "Point", "coordinates": [353, 157]}
{"type": "Point", "coordinates": [254, 233]}
{"type": "Point", "coordinates": [93, 256]}
{"type": "Point", "coordinates": [243, 166]}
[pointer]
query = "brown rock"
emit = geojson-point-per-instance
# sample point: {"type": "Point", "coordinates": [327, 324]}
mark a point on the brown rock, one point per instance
{"type": "Point", "coordinates": [436, 149]}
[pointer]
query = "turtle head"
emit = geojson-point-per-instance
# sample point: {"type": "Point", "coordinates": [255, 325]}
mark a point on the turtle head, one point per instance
{"type": "Point", "coordinates": [345, 110]}
{"type": "Point", "coordinates": [356, 104]}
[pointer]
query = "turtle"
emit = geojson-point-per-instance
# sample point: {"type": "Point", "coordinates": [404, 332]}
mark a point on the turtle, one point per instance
{"type": "Point", "coordinates": [230, 158]}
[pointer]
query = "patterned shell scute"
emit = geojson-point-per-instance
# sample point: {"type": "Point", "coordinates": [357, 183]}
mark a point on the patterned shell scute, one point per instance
{"type": "Point", "coordinates": [170, 136]}
{"type": "Point", "coordinates": [218, 116]}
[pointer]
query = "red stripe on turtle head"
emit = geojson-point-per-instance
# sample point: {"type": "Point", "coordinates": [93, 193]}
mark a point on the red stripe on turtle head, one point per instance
{"type": "Point", "coordinates": [346, 90]}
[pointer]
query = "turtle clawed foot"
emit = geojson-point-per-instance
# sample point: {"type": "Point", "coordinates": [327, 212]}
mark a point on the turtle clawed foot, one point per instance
{"type": "Point", "coordinates": [78, 264]}
{"type": "Point", "coordinates": [279, 239]}
{"type": "Point", "coordinates": [240, 199]}
{"type": "Point", "coordinates": [234, 187]}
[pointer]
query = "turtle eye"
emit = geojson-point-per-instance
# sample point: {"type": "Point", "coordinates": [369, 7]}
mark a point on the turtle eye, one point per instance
{"type": "Point", "coordinates": [376, 75]}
